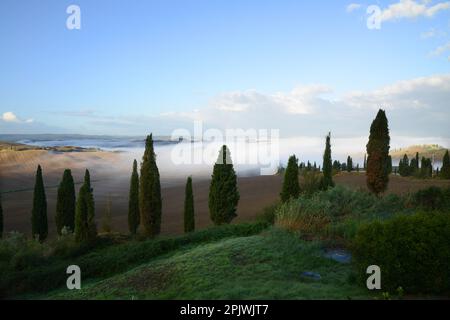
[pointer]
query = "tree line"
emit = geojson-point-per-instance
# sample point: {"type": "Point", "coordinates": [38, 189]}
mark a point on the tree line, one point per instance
{"type": "Point", "coordinates": [76, 214]}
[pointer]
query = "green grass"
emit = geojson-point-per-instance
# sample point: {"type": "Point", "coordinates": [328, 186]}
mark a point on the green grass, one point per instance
{"type": "Point", "coordinates": [264, 266]}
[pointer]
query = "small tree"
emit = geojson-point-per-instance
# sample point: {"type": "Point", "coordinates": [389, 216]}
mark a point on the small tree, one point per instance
{"type": "Point", "coordinates": [445, 170]}
{"type": "Point", "coordinates": [365, 162]}
{"type": "Point", "coordinates": [377, 154]}
{"type": "Point", "coordinates": [85, 227]}
{"type": "Point", "coordinates": [189, 218]}
{"type": "Point", "coordinates": [133, 201]}
{"type": "Point", "coordinates": [349, 164]}
{"type": "Point", "coordinates": [291, 186]}
{"type": "Point", "coordinates": [39, 213]}
{"type": "Point", "coordinates": [150, 201]}
{"type": "Point", "coordinates": [327, 165]}
{"type": "Point", "coordinates": [65, 205]}
{"type": "Point", "coordinates": [223, 191]}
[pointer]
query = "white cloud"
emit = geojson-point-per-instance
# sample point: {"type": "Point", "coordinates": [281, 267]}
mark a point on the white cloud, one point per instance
{"type": "Point", "coordinates": [425, 92]}
{"type": "Point", "coordinates": [352, 7]}
{"type": "Point", "coordinates": [420, 103]}
{"type": "Point", "coordinates": [11, 117]}
{"type": "Point", "coordinates": [412, 9]}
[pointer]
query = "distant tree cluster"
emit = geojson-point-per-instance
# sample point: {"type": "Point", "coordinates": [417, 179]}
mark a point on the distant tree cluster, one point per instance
{"type": "Point", "coordinates": [423, 167]}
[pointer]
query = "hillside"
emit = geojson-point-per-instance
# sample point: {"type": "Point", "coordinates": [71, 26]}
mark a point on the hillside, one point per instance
{"type": "Point", "coordinates": [264, 266]}
{"type": "Point", "coordinates": [427, 151]}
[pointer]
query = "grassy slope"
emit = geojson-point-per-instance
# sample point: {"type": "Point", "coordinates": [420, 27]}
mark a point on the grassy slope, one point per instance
{"type": "Point", "coordinates": [264, 266]}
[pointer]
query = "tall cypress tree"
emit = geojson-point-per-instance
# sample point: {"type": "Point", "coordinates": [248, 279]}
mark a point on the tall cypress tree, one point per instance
{"type": "Point", "coordinates": [1, 218]}
{"type": "Point", "coordinates": [133, 201]}
{"type": "Point", "coordinates": [377, 154]}
{"type": "Point", "coordinates": [85, 226]}
{"type": "Point", "coordinates": [291, 187]}
{"type": "Point", "coordinates": [327, 166]}
{"type": "Point", "coordinates": [150, 201]}
{"type": "Point", "coordinates": [39, 223]}
{"type": "Point", "coordinates": [365, 161]}
{"type": "Point", "coordinates": [223, 191]}
{"type": "Point", "coordinates": [445, 170]}
{"type": "Point", "coordinates": [65, 205]}
{"type": "Point", "coordinates": [189, 218]}
{"type": "Point", "coordinates": [349, 164]}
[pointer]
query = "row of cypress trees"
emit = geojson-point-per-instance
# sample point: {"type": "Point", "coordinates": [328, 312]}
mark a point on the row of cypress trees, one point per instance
{"type": "Point", "coordinates": [72, 216]}
{"type": "Point", "coordinates": [145, 201]}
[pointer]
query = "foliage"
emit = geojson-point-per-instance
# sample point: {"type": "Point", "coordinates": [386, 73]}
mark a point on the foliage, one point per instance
{"type": "Point", "coordinates": [377, 154]}
{"type": "Point", "coordinates": [133, 201]}
{"type": "Point", "coordinates": [189, 217]}
{"type": "Point", "coordinates": [327, 165]}
{"type": "Point", "coordinates": [445, 171]}
{"type": "Point", "coordinates": [223, 191]}
{"type": "Point", "coordinates": [65, 205]}
{"type": "Point", "coordinates": [412, 251]}
{"type": "Point", "coordinates": [150, 201]}
{"type": "Point", "coordinates": [432, 198]}
{"type": "Point", "coordinates": [291, 187]}
{"type": "Point", "coordinates": [85, 227]}
{"type": "Point", "coordinates": [39, 223]}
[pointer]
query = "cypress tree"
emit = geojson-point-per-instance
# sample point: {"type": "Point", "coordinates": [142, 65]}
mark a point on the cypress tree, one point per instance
{"type": "Point", "coordinates": [365, 161]}
{"type": "Point", "coordinates": [445, 170]}
{"type": "Point", "coordinates": [65, 205]}
{"type": "Point", "coordinates": [349, 164]}
{"type": "Point", "coordinates": [417, 161]}
{"type": "Point", "coordinates": [377, 154]}
{"type": "Point", "coordinates": [403, 166]}
{"type": "Point", "coordinates": [85, 227]}
{"type": "Point", "coordinates": [189, 218]}
{"type": "Point", "coordinates": [1, 218]}
{"type": "Point", "coordinates": [150, 202]}
{"type": "Point", "coordinates": [39, 213]}
{"type": "Point", "coordinates": [133, 201]}
{"type": "Point", "coordinates": [223, 191]}
{"type": "Point", "coordinates": [291, 186]}
{"type": "Point", "coordinates": [327, 165]}
{"type": "Point", "coordinates": [389, 164]}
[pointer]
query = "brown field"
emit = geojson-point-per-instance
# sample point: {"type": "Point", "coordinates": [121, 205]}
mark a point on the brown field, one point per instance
{"type": "Point", "coordinates": [17, 179]}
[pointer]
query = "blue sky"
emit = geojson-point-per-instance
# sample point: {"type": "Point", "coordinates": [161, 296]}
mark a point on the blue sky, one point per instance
{"type": "Point", "coordinates": [155, 65]}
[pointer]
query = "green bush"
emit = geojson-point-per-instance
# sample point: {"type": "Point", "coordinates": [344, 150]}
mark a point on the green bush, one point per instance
{"type": "Point", "coordinates": [413, 252]}
{"type": "Point", "coordinates": [268, 214]}
{"type": "Point", "coordinates": [432, 198]}
{"type": "Point", "coordinates": [311, 182]}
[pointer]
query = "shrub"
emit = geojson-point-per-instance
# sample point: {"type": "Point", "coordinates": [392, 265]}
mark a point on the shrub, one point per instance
{"type": "Point", "coordinates": [268, 214]}
{"type": "Point", "coordinates": [432, 198]}
{"type": "Point", "coordinates": [311, 183]}
{"type": "Point", "coordinates": [308, 216]}
{"type": "Point", "coordinates": [413, 251]}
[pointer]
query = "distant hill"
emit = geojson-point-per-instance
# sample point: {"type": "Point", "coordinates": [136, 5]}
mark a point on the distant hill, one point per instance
{"type": "Point", "coordinates": [426, 150]}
